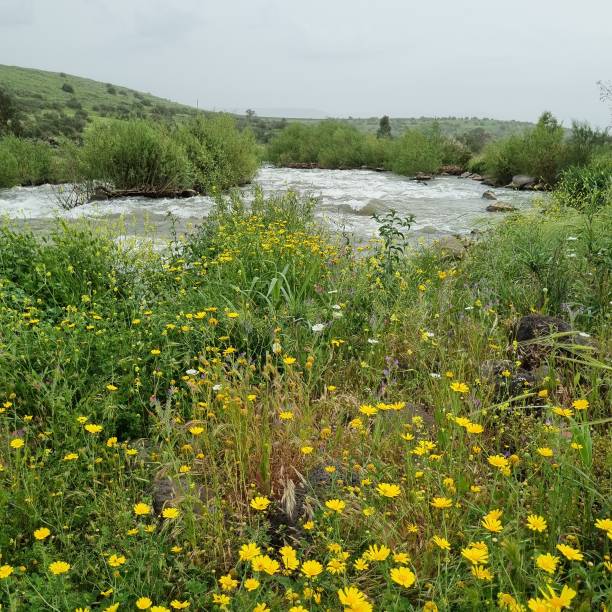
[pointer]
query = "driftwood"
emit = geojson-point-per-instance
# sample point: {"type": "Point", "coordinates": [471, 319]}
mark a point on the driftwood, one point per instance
{"type": "Point", "coordinates": [106, 193]}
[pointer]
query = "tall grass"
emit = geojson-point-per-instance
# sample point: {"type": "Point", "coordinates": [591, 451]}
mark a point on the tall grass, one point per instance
{"type": "Point", "coordinates": [148, 399]}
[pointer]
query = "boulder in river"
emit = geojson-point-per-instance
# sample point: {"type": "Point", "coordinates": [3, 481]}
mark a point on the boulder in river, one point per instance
{"type": "Point", "coordinates": [465, 175]}
{"type": "Point", "coordinates": [489, 195]}
{"type": "Point", "coordinates": [476, 177]}
{"type": "Point", "coordinates": [489, 182]}
{"type": "Point", "coordinates": [522, 181]}
{"type": "Point", "coordinates": [498, 206]}
{"type": "Point", "coordinates": [422, 176]}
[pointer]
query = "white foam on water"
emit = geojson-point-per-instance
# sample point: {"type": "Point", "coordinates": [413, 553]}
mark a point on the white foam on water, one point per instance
{"type": "Point", "coordinates": [347, 199]}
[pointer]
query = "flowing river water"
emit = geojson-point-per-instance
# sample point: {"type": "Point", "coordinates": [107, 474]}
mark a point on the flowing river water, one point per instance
{"type": "Point", "coordinates": [347, 200]}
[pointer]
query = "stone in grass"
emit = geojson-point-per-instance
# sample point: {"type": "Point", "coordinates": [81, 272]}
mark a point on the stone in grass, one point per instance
{"type": "Point", "coordinates": [498, 206]}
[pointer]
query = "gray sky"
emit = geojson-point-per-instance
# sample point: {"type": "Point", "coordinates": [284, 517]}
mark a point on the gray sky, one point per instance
{"type": "Point", "coordinates": [507, 60]}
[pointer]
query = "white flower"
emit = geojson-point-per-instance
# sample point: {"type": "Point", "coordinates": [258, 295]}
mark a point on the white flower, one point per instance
{"type": "Point", "coordinates": [372, 341]}
{"type": "Point", "coordinates": [337, 307]}
{"type": "Point", "coordinates": [191, 372]}
{"type": "Point", "coordinates": [435, 375]}
{"type": "Point", "coordinates": [217, 388]}
{"type": "Point", "coordinates": [318, 327]}
{"type": "Point", "coordinates": [572, 238]}
{"type": "Point", "coordinates": [337, 315]}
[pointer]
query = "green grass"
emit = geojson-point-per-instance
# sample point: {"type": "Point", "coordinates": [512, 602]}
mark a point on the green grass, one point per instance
{"type": "Point", "coordinates": [258, 354]}
{"type": "Point", "coordinates": [36, 91]}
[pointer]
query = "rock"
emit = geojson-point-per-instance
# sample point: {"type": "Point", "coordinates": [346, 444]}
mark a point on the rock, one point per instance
{"type": "Point", "coordinates": [99, 195]}
{"type": "Point", "coordinates": [489, 195]}
{"type": "Point", "coordinates": [507, 385]}
{"type": "Point", "coordinates": [499, 207]}
{"type": "Point", "coordinates": [172, 491]}
{"type": "Point", "coordinates": [451, 169]}
{"type": "Point", "coordinates": [522, 181]}
{"type": "Point", "coordinates": [422, 176]}
{"type": "Point", "coordinates": [466, 175]}
{"type": "Point", "coordinates": [489, 182]}
{"type": "Point", "coordinates": [535, 326]}
{"type": "Point", "coordinates": [188, 193]}
{"type": "Point", "coordinates": [451, 247]}
{"type": "Point", "coordinates": [533, 332]}
{"type": "Point", "coordinates": [476, 177]}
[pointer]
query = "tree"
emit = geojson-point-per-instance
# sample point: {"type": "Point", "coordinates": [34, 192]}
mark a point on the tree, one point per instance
{"type": "Point", "coordinates": [475, 139]}
{"type": "Point", "coordinates": [250, 115]}
{"type": "Point", "coordinates": [605, 92]}
{"type": "Point", "coordinates": [9, 115]}
{"type": "Point", "coordinates": [68, 88]}
{"type": "Point", "coordinates": [384, 127]}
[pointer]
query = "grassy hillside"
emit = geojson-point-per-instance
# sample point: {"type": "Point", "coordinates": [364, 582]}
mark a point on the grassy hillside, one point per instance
{"type": "Point", "coordinates": [55, 103]}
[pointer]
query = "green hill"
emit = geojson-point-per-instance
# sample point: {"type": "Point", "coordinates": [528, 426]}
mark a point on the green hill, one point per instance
{"type": "Point", "coordinates": [52, 104]}
{"type": "Point", "coordinates": [55, 103]}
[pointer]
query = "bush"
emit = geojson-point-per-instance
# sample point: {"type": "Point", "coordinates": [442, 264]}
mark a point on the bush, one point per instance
{"type": "Point", "coordinates": [220, 155]}
{"type": "Point", "coordinates": [542, 152]}
{"type": "Point", "coordinates": [415, 151]}
{"type": "Point", "coordinates": [334, 144]}
{"type": "Point", "coordinates": [135, 155]}
{"type": "Point", "coordinates": [586, 188]}
{"type": "Point", "coordinates": [68, 88]}
{"type": "Point", "coordinates": [28, 162]}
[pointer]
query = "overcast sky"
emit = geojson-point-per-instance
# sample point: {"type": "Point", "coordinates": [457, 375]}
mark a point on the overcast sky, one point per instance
{"type": "Point", "coordinates": [502, 59]}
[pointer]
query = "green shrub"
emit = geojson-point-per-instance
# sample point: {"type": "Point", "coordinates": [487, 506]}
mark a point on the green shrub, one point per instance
{"type": "Point", "coordinates": [586, 188]}
{"type": "Point", "coordinates": [415, 151]}
{"type": "Point", "coordinates": [135, 155]}
{"type": "Point", "coordinates": [220, 155]}
{"type": "Point", "coordinates": [541, 152]}
{"type": "Point", "coordinates": [28, 162]}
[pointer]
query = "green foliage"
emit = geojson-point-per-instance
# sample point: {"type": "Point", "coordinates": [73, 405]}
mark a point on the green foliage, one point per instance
{"type": "Point", "coordinates": [28, 162]}
{"type": "Point", "coordinates": [336, 144]}
{"type": "Point", "coordinates": [68, 88]}
{"type": "Point", "coordinates": [543, 151]}
{"type": "Point", "coordinates": [220, 155]}
{"type": "Point", "coordinates": [135, 155]}
{"type": "Point", "coordinates": [214, 367]}
{"type": "Point", "coordinates": [46, 110]}
{"type": "Point", "coordinates": [205, 154]}
{"type": "Point", "coordinates": [586, 188]}
{"type": "Point", "coordinates": [384, 127]}
{"type": "Point", "coordinates": [559, 264]}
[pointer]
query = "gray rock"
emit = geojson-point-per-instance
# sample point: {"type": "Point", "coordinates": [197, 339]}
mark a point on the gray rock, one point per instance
{"type": "Point", "coordinates": [522, 181]}
{"type": "Point", "coordinates": [489, 182]}
{"type": "Point", "coordinates": [498, 206]}
{"type": "Point", "coordinates": [451, 247]}
{"type": "Point", "coordinates": [465, 175]}
{"type": "Point", "coordinates": [476, 177]}
{"type": "Point", "coordinates": [422, 176]}
{"type": "Point", "coordinates": [489, 195]}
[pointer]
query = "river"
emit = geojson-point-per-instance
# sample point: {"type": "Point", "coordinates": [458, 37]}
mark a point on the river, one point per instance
{"type": "Point", "coordinates": [347, 199]}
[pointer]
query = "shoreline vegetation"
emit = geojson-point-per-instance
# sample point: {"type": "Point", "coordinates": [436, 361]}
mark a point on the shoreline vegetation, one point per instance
{"type": "Point", "coordinates": [264, 418]}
